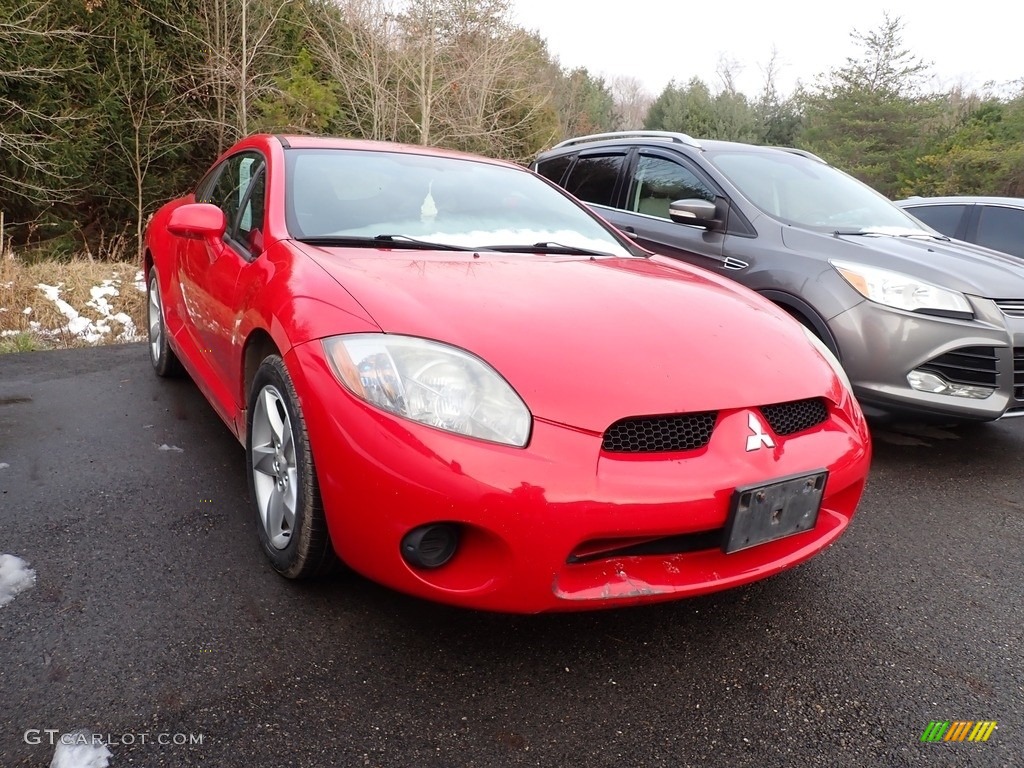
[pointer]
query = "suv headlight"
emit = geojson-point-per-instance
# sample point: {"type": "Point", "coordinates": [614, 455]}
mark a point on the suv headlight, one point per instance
{"type": "Point", "coordinates": [894, 289]}
{"type": "Point", "coordinates": [432, 383]}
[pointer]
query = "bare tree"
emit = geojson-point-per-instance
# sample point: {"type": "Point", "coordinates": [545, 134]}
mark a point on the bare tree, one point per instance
{"type": "Point", "coordinates": [139, 83]}
{"type": "Point", "coordinates": [443, 72]}
{"type": "Point", "coordinates": [472, 77]}
{"type": "Point", "coordinates": [632, 102]}
{"type": "Point", "coordinates": [491, 99]}
{"type": "Point", "coordinates": [728, 70]}
{"type": "Point", "coordinates": [356, 40]}
{"type": "Point", "coordinates": [237, 43]}
{"type": "Point", "coordinates": [31, 135]}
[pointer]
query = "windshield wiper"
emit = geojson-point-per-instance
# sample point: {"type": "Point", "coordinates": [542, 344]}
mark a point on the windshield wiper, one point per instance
{"type": "Point", "coordinates": [889, 232]}
{"type": "Point", "coordinates": [425, 244]}
{"type": "Point", "coordinates": [547, 247]}
{"type": "Point", "coordinates": [400, 241]}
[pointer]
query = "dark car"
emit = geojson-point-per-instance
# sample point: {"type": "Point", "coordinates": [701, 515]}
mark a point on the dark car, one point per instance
{"type": "Point", "coordinates": [924, 325]}
{"type": "Point", "coordinates": [995, 222]}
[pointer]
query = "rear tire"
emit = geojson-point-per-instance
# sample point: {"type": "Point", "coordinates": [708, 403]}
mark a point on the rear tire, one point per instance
{"type": "Point", "coordinates": [164, 361]}
{"type": "Point", "coordinates": [290, 520]}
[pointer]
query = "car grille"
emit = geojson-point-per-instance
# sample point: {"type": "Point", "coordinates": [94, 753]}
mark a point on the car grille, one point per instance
{"type": "Point", "coordinates": [1018, 373]}
{"type": "Point", "coordinates": [975, 366]}
{"type": "Point", "coordinates": [650, 434]}
{"type": "Point", "coordinates": [1011, 307]}
{"type": "Point", "coordinates": [604, 549]}
{"type": "Point", "coordinates": [689, 431]}
{"type": "Point", "coordinates": [796, 416]}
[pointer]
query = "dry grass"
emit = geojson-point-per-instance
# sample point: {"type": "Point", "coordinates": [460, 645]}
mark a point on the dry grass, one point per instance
{"type": "Point", "coordinates": [80, 282]}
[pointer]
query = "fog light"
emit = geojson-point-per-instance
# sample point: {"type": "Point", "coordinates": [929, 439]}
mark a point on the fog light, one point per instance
{"type": "Point", "coordinates": [925, 381]}
{"type": "Point", "coordinates": [430, 546]}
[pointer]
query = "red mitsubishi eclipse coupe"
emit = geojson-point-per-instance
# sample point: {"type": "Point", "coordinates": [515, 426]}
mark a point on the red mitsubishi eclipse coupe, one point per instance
{"type": "Point", "coordinates": [455, 379]}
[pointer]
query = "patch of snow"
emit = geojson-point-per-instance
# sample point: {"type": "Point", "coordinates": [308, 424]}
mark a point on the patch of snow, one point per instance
{"type": "Point", "coordinates": [52, 292]}
{"type": "Point", "coordinates": [4, 465]}
{"type": "Point", "coordinates": [15, 577]}
{"type": "Point", "coordinates": [27, 311]}
{"type": "Point", "coordinates": [166, 447]}
{"type": "Point", "coordinates": [93, 331]}
{"type": "Point", "coordinates": [140, 282]}
{"type": "Point", "coordinates": [99, 294]}
{"type": "Point", "coordinates": [129, 332]}
{"type": "Point", "coordinates": [80, 749]}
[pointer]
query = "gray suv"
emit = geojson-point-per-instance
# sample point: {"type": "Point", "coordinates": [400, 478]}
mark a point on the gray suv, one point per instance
{"type": "Point", "coordinates": [923, 325]}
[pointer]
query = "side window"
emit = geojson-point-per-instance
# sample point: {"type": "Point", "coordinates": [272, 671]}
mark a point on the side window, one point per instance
{"type": "Point", "coordinates": [943, 218]}
{"type": "Point", "coordinates": [1002, 229]}
{"type": "Point", "coordinates": [239, 191]}
{"type": "Point", "coordinates": [250, 220]}
{"type": "Point", "coordinates": [658, 182]}
{"type": "Point", "coordinates": [593, 178]}
{"type": "Point", "coordinates": [555, 168]}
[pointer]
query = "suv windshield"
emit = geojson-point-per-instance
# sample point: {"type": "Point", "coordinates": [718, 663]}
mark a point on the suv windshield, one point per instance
{"type": "Point", "coordinates": [402, 197]}
{"type": "Point", "coordinates": [798, 190]}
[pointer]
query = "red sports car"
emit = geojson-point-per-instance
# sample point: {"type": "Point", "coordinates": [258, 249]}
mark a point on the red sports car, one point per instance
{"type": "Point", "coordinates": [452, 377]}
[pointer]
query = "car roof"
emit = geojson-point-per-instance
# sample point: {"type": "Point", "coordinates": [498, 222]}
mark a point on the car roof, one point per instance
{"type": "Point", "coordinates": [338, 142]}
{"type": "Point", "coordinates": [962, 200]}
{"type": "Point", "coordinates": [671, 138]}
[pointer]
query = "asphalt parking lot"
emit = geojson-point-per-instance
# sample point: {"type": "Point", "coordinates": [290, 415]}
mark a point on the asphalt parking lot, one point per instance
{"type": "Point", "coordinates": [155, 622]}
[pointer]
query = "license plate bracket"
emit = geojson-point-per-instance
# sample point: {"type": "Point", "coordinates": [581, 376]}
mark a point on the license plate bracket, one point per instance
{"type": "Point", "coordinates": [763, 513]}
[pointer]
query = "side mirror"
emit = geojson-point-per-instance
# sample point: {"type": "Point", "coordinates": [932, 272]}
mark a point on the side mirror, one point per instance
{"type": "Point", "coordinates": [197, 221]}
{"type": "Point", "coordinates": [700, 213]}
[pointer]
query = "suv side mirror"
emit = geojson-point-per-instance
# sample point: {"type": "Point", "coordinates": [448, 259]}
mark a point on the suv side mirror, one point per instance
{"type": "Point", "coordinates": [697, 212]}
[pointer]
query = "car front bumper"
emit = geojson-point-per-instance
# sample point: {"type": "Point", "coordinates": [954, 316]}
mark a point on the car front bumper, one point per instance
{"type": "Point", "coordinates": [523, 513]}
{"type": "Point", "coordinates": [880, 346]}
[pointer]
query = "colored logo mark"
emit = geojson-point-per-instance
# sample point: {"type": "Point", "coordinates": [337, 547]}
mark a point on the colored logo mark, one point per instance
{"type": "Point", "coordinates": [958, 730]}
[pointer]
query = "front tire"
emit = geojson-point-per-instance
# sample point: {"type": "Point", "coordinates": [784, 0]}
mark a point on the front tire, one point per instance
{"type": "Point", "coordinates": [290, 519]}
{"type": "Point", "coordinates": [164, 361]}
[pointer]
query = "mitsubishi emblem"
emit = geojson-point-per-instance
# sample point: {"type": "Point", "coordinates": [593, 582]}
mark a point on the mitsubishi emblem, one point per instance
{"type": "Point", "coordinates": [759, 437]}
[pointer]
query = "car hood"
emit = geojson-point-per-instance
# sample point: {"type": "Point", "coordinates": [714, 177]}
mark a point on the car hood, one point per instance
{"type": "Point", "coordinates": [954, 264]}
{"type": "Point", "coordinates": [587, 342]}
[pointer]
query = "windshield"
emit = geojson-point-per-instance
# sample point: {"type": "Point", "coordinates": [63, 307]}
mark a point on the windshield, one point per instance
{"type": "Point", "coordinates": [798, 190]}
{"type": "Point", "coordinates": [347, 194]}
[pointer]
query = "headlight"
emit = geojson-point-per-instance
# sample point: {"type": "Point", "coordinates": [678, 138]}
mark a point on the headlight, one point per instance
{"type": "Point", "coordinates": [431, 383]}
{"type": "Point", "coordinates": [895, 289]}
{"type": "Point", "coordinates": [829, 357]}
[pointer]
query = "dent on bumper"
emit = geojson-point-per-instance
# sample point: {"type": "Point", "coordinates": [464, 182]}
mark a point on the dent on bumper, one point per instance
{"type": "Point", "coordinates": [524, 511]}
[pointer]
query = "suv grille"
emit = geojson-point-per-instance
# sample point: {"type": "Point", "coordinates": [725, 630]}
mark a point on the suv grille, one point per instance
{"type": "Point", "coordinates": [976, 366]}
{"type": "Point", "coordinates": [1018, 373]}
{"type": "Point", "coordinates": [1011, 307]}
{"type": "Point", "coordinates": [796, 416]}
{"type": "Point", "coordinates": [651, 434]}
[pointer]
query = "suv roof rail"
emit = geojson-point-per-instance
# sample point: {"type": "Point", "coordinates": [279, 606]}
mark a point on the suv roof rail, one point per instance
{"type": "Point", "coordinates": [673, 136]}
{"type": "Point", "coordinates": [803, 153]}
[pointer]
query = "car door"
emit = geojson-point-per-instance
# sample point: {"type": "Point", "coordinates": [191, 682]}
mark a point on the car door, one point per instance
{"type": "Point", "coordinates": [1000, 227]}
{"type": "Point", "coordinates": [211, 271]}
{"type": "Point", "coordinates": [948, 218]}
{"type": "Point", "coordinates": [655, 179]}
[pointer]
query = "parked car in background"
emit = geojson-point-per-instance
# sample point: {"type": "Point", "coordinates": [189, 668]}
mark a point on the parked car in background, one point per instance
{"type": "Point", "coordinates": [923, 325]}
{"type": "Point", "coordinates": [994, 222]}
{"type": "Point", "coordinates": [456, 379]}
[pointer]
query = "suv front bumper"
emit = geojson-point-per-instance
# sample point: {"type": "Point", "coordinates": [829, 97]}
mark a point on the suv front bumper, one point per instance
{"type": "Point", "coordinates": [879, 346]}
